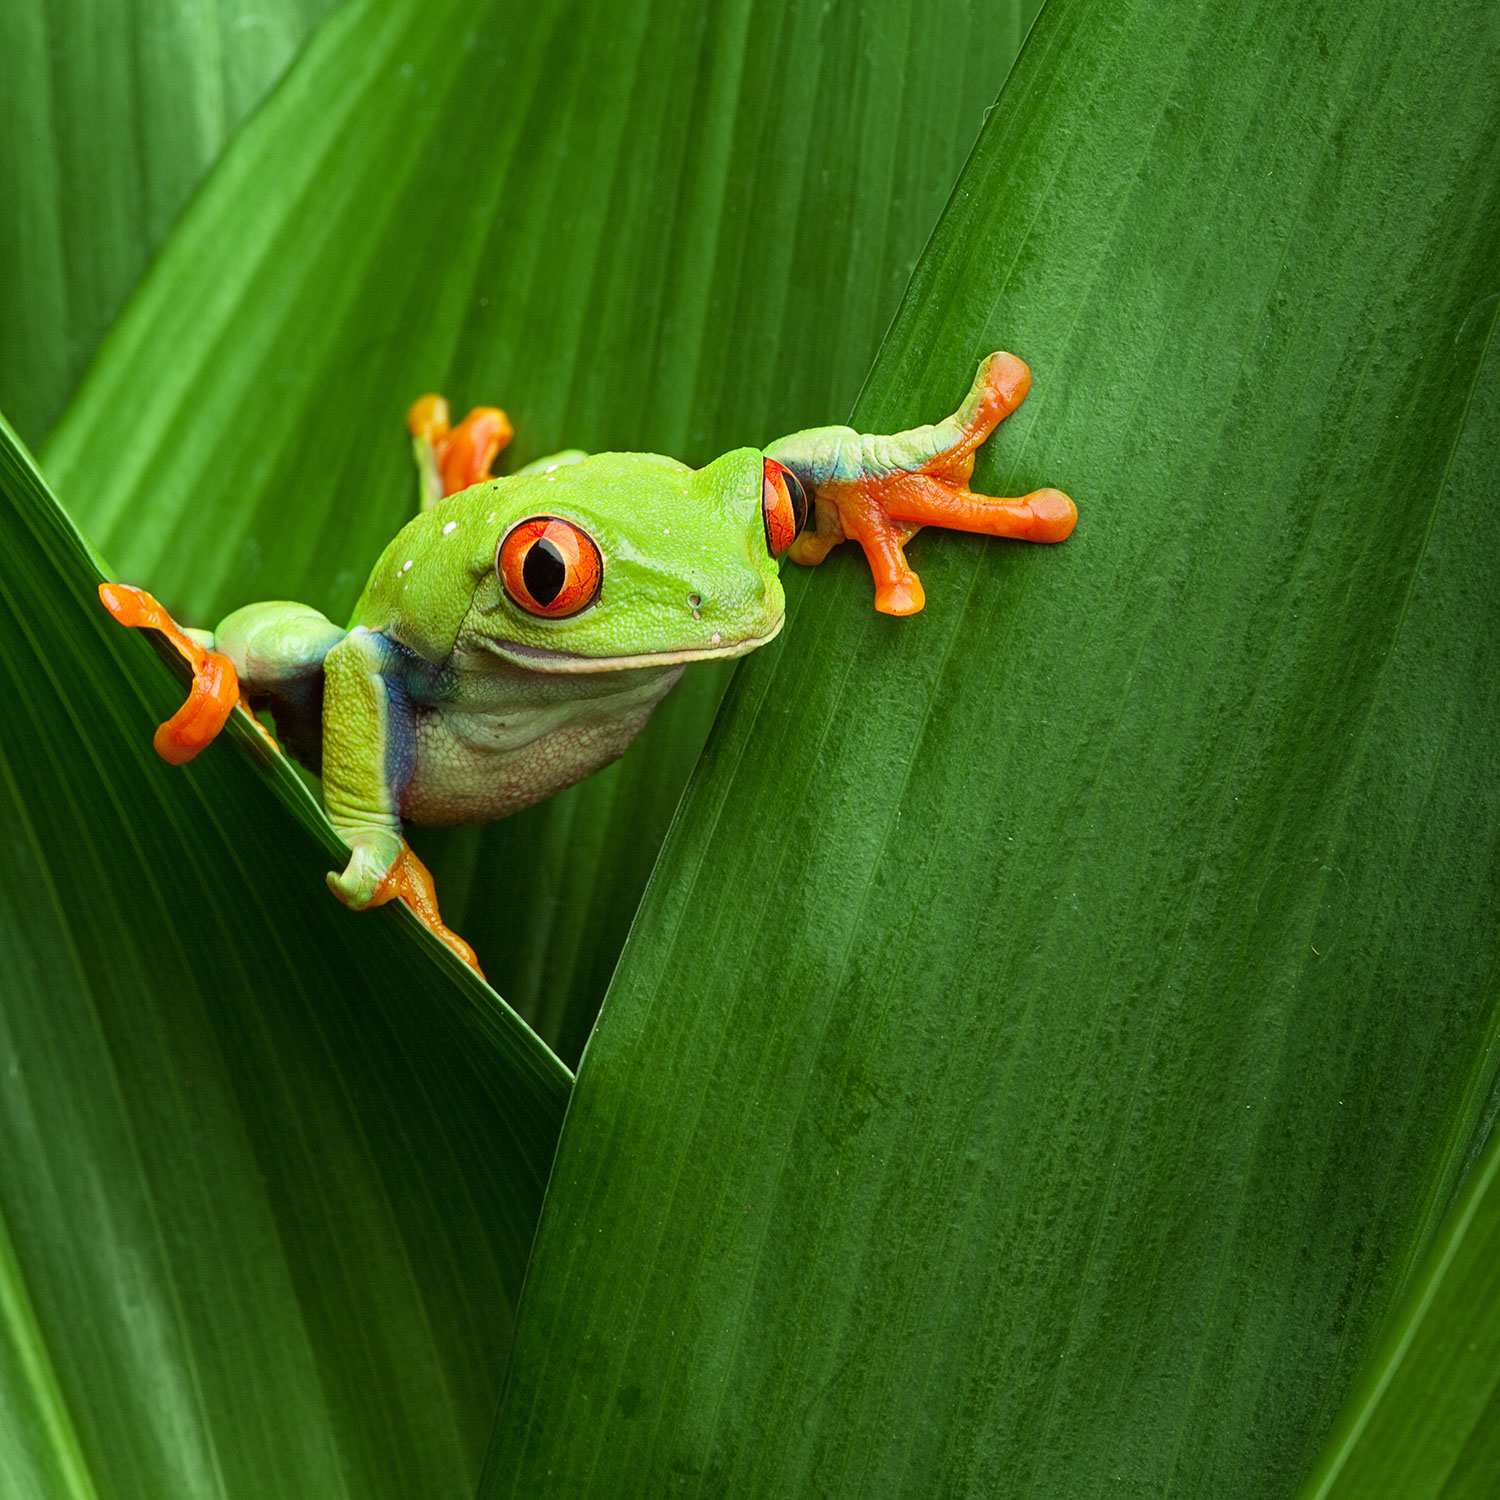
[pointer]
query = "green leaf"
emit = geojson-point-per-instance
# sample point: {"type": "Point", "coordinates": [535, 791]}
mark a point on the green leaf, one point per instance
{"type": "Point", "coordinates": [1426, 1419]}
{"type": "Point", "coordinates": [111, 115]}
{"type": "Point", "coordinates": [1059, 1020]}
{"type": "Point", "coordinates": [269, 1170]}
{"type": "Point", "coordinates": [645, 227]}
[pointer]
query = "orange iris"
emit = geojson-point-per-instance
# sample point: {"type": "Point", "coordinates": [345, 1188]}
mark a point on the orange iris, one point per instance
{"type": "Point", "coordinates": [550, 567]}
{"type": "Point", "coordinates": [783, 507]}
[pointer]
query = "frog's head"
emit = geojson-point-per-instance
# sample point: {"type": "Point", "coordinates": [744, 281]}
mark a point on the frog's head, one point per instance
{"type": "Point", "coordinates": [634, 560]}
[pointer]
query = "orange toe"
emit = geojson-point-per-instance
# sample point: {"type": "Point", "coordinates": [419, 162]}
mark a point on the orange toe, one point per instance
{"type": "Point", "coordinates": [211, 700]}
{"type": "Point", "coordinates": [427, 417]}
{"type": "Point", "coordinates": [1053, 516]}
{"type": "Point", "coordinates": [1010, 379]}
{"type": "Point", "coordinates": [409, 880]}
{"type": "Point", "coordinates": [901, 596]}
{"type": "Point", "coordinates": [466, 454]}
{"type": "Point", "coordinates": [216, 685]}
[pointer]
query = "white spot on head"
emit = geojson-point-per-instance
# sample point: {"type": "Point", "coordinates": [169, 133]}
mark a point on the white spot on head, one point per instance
{"type": "Point", "coordinates": [666, 531]}
{"type": "Point", "coordinates": [715, 638]}
{"type": "Point", "coordinates": [449, 527]}
{"type": "Point", "coordinates": [405, 567]}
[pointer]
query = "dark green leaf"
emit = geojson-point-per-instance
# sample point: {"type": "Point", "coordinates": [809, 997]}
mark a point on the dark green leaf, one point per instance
{"type": "Point", "coordinates": [648, 227]}
{"type": "Point", "coordinates": [269, 1170]}
{"type": "Point", "coordinates": [112, 114]}
{"type": "Point", "coordinates": [1060, 1020]}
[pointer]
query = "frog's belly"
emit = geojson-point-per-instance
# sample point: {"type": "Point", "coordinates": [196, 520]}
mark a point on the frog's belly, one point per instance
{"type": "Point", "coordinates": [475, 764]}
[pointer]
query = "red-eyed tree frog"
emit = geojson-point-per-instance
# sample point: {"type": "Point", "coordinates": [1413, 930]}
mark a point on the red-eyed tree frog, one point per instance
{"type": "Point", "coordinates": [517, 634]}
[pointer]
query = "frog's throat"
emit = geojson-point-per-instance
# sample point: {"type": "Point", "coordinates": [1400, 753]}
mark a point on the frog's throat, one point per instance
{"type": "Point", "coordinates": [538, 659]}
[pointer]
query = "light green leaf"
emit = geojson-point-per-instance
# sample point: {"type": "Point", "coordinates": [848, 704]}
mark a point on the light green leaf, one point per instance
{"type": "Point", "coordinates": [1425, 1421]}
{"type": "Point", "coordinates": [1058, 1021]}
{"type": "Point", "coordinates": [641, 228]}
{"type": "Point", "coordinates": [269, 1170]}
{"type": "Point", "coordinates": [109, 116]}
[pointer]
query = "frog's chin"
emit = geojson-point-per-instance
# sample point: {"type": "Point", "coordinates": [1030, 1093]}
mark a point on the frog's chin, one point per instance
{"type": "Point", "coordinates": [539, 659]}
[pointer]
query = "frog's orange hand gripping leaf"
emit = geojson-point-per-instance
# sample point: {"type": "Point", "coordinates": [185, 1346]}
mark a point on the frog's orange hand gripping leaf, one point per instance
{"type": "Point", "coordinates": [880, 491]}
{"type": "Point", "coordinates": [216, 690]}
{"type": "Point", "coordinates": [409, 880]}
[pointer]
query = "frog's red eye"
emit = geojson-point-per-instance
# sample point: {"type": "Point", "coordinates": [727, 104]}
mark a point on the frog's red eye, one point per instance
{"type": "Point", "coordinates": [783, 507]}
{"type": "Point", "coordinates": [550, 567]}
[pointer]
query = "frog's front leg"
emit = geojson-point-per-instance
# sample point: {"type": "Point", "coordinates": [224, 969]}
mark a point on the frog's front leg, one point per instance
{"type": "Point", "coordinates": [369, 754]}
{"type": "Point", "coordinates": [880, 490]}
{"type": "Point", "coordinates": [450, 459]}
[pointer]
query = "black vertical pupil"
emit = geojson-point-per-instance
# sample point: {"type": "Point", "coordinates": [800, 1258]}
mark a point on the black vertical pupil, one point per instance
{"type": "Point", "coordinates": [544, 572]}
{"type": "Point", "coordinates": [798, 496]}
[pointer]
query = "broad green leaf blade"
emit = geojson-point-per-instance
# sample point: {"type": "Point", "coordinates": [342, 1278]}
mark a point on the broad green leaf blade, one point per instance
{"type": "Point", "coordinates": [269, 1170]}
{"type": "Point", "coordinates": [1060, 1019]}
{"type": "Point", "coordinates": [639, 227]}
{"type": "Point", "coordinates": [1426, 1421]}
{"type": "Point", "coordinates": [109, 117]}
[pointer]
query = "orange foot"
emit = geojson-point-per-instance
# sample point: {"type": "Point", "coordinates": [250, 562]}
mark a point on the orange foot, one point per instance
{"type": "Point", "coordinates": [215, 689]}
{"type": "Point", "coordinates": [452, 458]}
{"type": "Point", "coordinates": [409, 880]}
{"type": "Point", "coordinates": [880, 491]}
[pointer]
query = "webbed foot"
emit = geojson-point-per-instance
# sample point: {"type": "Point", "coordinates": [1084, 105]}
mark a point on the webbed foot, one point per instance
{"type": "Point", "coordinates": [383, 867]}
{"type": "Point", "coordinates": [450, 459]}
{"type": "Point", "coordinates": [215, 689]}
{"type": "Point", "coordinates": [880, 491]}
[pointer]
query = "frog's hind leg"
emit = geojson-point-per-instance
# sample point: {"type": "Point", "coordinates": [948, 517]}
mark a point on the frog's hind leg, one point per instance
{"type": "Point", "coordinates": [277, 649]}
{"type": "Point", "coordinates": [268, 654]}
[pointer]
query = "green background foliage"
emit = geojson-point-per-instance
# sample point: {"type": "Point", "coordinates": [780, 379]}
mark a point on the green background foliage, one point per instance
{"type": "Point", "coordinates": [1055, 1055]}
{"type": "Point", "coordinates": [110, 114]}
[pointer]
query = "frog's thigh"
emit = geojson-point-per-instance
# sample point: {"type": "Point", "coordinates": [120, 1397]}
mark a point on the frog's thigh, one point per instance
{"type": "Point", "coordinates": [276, 644]}
{"type": "Point", "coordinates": [278, 649]}
{"type": "Point", "coordinates": [369, 745]}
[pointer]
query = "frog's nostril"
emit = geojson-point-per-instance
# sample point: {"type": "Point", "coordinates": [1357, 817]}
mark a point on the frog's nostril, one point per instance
{"type": "Point", "coordinates": [695, 603]}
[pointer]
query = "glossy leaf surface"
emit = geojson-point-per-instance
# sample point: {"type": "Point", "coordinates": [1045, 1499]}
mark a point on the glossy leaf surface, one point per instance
{"type": "Point", "coordinates": [110, 114]}
{"type": "Point", "coordinates": [1059, 1021]}
{"type": "Point", "coordinates": [269, 1170]}
{"type": "Point", "coordinates": [649, 228]}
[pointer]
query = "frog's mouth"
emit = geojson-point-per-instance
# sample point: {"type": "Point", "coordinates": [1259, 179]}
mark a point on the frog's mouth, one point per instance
{"type": "Point", "coordinates": [540, 659]}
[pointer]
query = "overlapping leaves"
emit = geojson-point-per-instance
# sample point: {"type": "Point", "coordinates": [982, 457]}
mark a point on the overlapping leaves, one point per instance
{"type": "Point", "coordinates": [270, 1172]}
{"type": "Point", "coordinates": [1059, 1022]}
